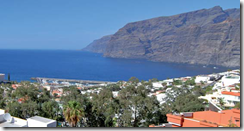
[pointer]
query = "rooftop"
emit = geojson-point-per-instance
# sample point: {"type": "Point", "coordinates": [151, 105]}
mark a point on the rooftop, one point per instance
{"type": "Point", "coordinates": [41, 119]}
{"type": "Point", "coordinates": [16, 122]}
{"type": "Point", "coordinates": [206, 118]}
{"type": "Point", "coordinates": [35, 121]}
{"type": "Point", "coordinates": [8, 124]}
{"type": "Point", "coordinates": [230, 93]}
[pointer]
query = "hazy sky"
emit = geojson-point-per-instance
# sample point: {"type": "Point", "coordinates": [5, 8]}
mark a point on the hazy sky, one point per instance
{"type": "Point", "coordinates": [73, 24]}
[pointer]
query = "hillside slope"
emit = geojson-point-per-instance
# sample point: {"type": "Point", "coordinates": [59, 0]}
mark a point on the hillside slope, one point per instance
{"type": "Point", "coordinates": [207, 36]}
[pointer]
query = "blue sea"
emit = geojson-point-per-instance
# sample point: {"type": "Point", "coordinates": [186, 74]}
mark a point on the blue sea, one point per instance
{"type": "Point", "coordinates": [74, 64]}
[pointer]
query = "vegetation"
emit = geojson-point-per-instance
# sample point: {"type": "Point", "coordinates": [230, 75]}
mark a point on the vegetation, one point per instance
{"type": "Point", "coordinates": [134, 80]}
{"type": "Point", "coordinates": [190, 82]}
{"type": "Point", "coordinates": [104, 107]}
{"type": "Point", "coordinates": [114, 87]}
{"type": "Point", "coordinates": [137, 106]}
{"type": "Point", "coordinates": [133, 107]}
{"type": "Point", "coordinates": [209, 90]}
{"type": "Point", "coordinates": [221, 102]}
{"type": "Point", "coordinates": [8, 77]}
{"type": "Point", "coordinates": [231, 124]}
{"type": "Point", "coordinates": [229, 70]}
{"type": "Point", "coordinates": [182, 100]}
{"type": "Point", "coordinates": [237, 106]}
{"type": "Point", "coordinates": [177, 82]}
{"type": "Point", "coordinates": [2, 99]}
{"type": "Point", "coordinates": [73, 113]}
{"type": "Point", "coordinates": [50, 109]}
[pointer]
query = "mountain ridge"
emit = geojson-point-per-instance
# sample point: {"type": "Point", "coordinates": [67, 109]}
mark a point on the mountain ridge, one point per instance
{"type": "Point", "coordinates": [206, 36]}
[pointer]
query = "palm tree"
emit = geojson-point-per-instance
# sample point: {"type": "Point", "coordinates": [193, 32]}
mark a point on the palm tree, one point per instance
{"type": "Point", "coordinates": [73, 113]}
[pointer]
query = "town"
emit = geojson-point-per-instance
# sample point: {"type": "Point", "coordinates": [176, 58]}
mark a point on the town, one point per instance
{"type": "Point", "coordinates": [193, 101]}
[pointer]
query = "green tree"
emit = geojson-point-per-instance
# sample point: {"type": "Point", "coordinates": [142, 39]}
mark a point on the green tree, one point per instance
{"type": "Point", "coordinates": [177, 82]}
{"type": "Point", "coordinates": [14, 108]}
{"type": "Point", "coordinates": [134, 80]}
{"type": "Point", "coordinates": [137, 106]}
{"type": "Point", "coordinates": [2, 99]}
{"type": "Point", "coordinates": [114, 87]}
{"type": "Point", "coordinates": [50, 109]}
{"type": "Point", "coordinates": [9, 91]}
{"type": "Point", "coordinates": [8, 77]}
{"type": "Point", "coordinates": [28, 109]}
{"type": "Point", "coordinates": [148, 84]}
{"type": "Point", "coordinates": [89, 119]}
{"type": "Point", "coordinates": [154, 80]}
{"type": "Point", "coordinates": [190, 82]}
{"type": "Point", "coordinates": [198, 91]}
{"type": "Point", "coordinates": [70, 94]}
{"type": "Point", "coordinates": [209, 90]}
{"type": "Point", "coordinates": [182, 100]}
{"type": "Point", "coordinates": [202, 83]}
{"type": "Point", "coordinates": [73, 113]}
{"type": "Point", "coordinates": [221, 102]}
{"type": "Point", "coordinates": [26, 90]}
{"type": "Point", "coordinates": [3, 103]}
{"type": "Point", "coordinates": [44, 96]}
{"type": "Point", "coordinates": [237, 105]}
{"type": "Point", "coordinates": [104, 106]}
{"type": "Point", "coordinates": [187, 103]}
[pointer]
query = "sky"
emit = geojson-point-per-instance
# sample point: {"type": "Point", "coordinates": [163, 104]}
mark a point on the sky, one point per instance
{"type": "Point", "coordinates": [73, 24]}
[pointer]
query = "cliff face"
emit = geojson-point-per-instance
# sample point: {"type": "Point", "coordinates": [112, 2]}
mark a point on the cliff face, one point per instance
{"type": "Point", "coordinates": [98, 46]}
{"type": "Point", "coordinates": [207, 36]}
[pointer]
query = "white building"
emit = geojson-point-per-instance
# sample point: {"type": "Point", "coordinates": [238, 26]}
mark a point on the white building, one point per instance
{"type": "Point", "coordinates": [230, 98]}
{"type": "Point", "coordinates": [168, 82]}
{"type": "Point", "coordinates": [47, 87]}
{"type": "Point", "coordinates": [38, 121]}
{"type": "Point", "coordinates": [157, 84]}
{"type": "Point", "coordinates": [2, 77]}
{"type": "Point", "coordinates": [201, 78]}
{"type": "Point", "coordinates": [115, 93]}
{"type": "Point", "coordinates": [230, 80]}
{"type": "Point", "coordinates": [35, 121]}
{"type": "Point", "coordinates": [160, 97]}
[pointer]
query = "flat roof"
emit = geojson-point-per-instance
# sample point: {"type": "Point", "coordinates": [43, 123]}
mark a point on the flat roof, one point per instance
{"type": "Point", "coordinates": [41, 119]}
{"type": "Point", "coordinates": [8, 124]}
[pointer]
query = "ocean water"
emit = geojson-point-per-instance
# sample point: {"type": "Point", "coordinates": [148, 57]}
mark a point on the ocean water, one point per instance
{"type": "Point", "coordinates": [71, 64]}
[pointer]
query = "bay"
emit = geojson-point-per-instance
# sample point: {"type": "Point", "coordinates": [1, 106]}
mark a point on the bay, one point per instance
{"type": "Point", "coordinates": [74, 64]}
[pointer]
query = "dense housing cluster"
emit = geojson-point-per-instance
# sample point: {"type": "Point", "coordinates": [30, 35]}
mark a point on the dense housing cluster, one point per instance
{"type": "Point", "coordinates": [177, 102]}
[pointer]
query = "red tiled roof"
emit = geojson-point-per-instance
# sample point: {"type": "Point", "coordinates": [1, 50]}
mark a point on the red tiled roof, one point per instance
{"type": "Point", "coordinates": [230, 93]}
{"type": "Point", "coordinates": [207, 119]}
{"type": "Point", "coordinates": [184, 79]}
{"type": "Point", "coordinates": [20, 100]}
{"type": "Point", "coordinates": [231, 85]}
{"type": "Point", "coordinates": [55, 91]}
{"type": "Point", "coordinates": [15, 86]}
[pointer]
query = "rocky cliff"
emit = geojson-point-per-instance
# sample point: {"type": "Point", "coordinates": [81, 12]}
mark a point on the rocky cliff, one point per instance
{"type": "Point", "coordinates": [207, 36]}
{"type": "Point", "coordinates": [99, 45]}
